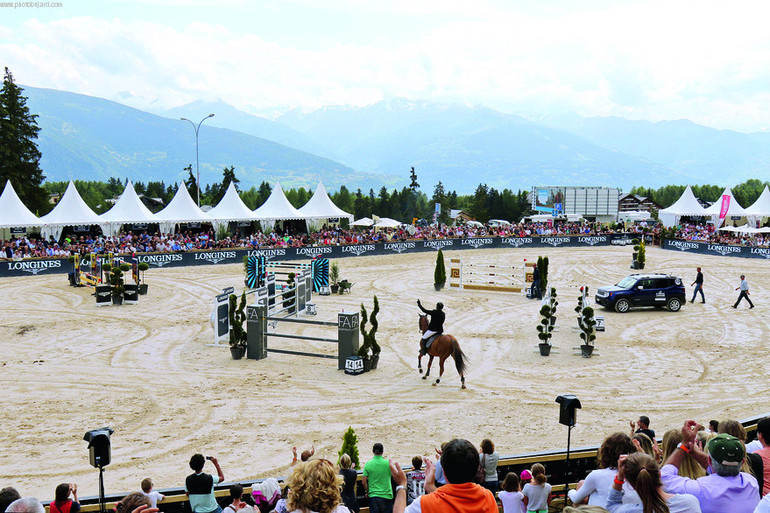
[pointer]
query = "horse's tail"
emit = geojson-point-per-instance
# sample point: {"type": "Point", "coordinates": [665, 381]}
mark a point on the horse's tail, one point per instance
{"type": "Point", "coordinates": [461, 361]}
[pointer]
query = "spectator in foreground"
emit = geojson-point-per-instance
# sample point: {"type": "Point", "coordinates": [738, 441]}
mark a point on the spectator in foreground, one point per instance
{"type": "Point", "coordinates": [763, 435]}
{"type": "Point", "coordinates": [315, 486]}
{"type": "Point", "coordinates": [306, 454]}
{"type": "Point", "coordinates": [598, 482]}
{"type": "Point", "coordinates": [764, 505]}
{"type": "Point", "coordinates": [727, 489]}
{"type": "Point", "coordinates": [25, 505]}
{"type": "Point", "coordinates": [489, 459]}
{"type": "Point", "coordinates": [753, 463]}
{"type": "Point", "coordinates": [199, 486]}
{"type": "Point", "coordinates": [133, 502]}
{"type": "Point", "coordinates": [415, 479]}
{"type": "Point", "coordinates": [642, 426]}
{"type": "Point", "coordinates": [376, 482]}
{"type": "Point", "coordinates": [460, 461]}
{"type": "Point", "coordinates": [537, 495]}
{"type": "Point", "coordinates": [585, 509]}
{"type": "Point", "coordinates": [688, 466]}
{"type": "Point", "coordinates": [511, 496]}
{"type": "Point", "coordinates": [350, 478]}
{"type": "Point", "coordinates": [62, 503]}
{"type": "Point", "coordinates": [147, 489]}
{"type": "Point", "coordinates": [643, 475]}
{"type": "Point", "coordinates": [7, 496]}
{"type": "Point", "coordinates": [236, 504]}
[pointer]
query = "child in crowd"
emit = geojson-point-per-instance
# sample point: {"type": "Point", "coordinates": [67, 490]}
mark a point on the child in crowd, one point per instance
{"type": "Point", "coordinates": [525, 478]}
{"type": "Point", "coordinates": [537, 495]}
{"type": "Point", "coordinates": [415, 480]}
{"type": "Point", "coordinates": [511, 497]}
{"type": "Point", "coordinates": [151, 494]}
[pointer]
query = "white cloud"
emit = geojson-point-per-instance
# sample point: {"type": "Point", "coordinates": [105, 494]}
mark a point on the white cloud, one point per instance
{"type": "Point", "coordinates": [656, 60]}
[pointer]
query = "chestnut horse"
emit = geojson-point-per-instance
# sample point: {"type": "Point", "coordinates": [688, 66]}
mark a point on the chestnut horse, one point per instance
{"type": "Point", "coordinates": [442, 347]}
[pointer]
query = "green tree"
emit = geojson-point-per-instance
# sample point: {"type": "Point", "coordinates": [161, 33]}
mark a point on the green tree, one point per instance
{"type": "Point", "coordinates": [350, 447]}
{"type": "Point", "coordinates": [19, 155]}
{"type": "Point", "coordinates": [191, 183]}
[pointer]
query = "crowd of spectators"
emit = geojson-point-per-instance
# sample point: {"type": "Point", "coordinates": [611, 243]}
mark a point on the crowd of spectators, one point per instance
{"type": "Point", "coordinates": [698, 470]}
{"type": "Point", "coordinates": [31, 246]}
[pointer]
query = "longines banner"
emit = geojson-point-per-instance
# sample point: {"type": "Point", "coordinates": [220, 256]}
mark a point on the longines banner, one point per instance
{"type": "Point", "coordinates": [707, 248]}
{"type": "Point", "coordinates": [235, 256]}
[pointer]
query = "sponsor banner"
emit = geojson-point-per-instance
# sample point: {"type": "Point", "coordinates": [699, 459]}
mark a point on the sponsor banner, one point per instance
{"type": "Point", "coordinates": [706, 248]}
{"type": "Point", "coordinates": [235, 256]}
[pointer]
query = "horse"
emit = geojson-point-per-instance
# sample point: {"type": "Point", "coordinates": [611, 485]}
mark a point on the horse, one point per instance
{"type": "Point", "coordinates": [442, 347]}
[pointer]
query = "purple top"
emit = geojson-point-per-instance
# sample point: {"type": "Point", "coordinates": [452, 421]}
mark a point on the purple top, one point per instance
{"type": "Point", "coordinates": [715, 493]}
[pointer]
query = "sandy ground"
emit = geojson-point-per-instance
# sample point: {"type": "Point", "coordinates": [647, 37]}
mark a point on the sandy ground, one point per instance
{"type": "Point", "coordinates": [67, 366]}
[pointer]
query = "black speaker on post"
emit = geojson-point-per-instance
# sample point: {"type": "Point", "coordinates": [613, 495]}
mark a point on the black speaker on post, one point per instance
{"type": "Point", "coordinates": [99, 455]}
{"type": "Point", "coordinates": [568, 404]}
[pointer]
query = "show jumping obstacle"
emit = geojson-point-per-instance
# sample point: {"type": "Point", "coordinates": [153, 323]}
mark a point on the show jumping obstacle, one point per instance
{"type": "Point", "coordinates": [498, 278]}
{"type": "Point", "coordinates": [258, 269]}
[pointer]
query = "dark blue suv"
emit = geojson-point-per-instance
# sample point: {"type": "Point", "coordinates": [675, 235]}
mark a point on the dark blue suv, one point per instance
{"type": "Point", "coordinates": [650, 289]}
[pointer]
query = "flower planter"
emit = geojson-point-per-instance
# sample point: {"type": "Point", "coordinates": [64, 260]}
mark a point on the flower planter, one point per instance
{"type": "Point", "coordinates": [142, 289]}
{"type": "Point", "coordinates": [117, 299]}
{"type": "Point", "coordinates": [545, 349]}
{"type": "Point", "coordinates": [335, 288]}
{"type": "Point", "coordinates": [367, 364]}
{"type": "Point", "coordinates": [438, 286]}
{"type": "Point", "coordinates": [586, 350]}
{"type": "Point", "coordinates": [237, 352]}
{"type": "Point", "coordinates": [375, 361]}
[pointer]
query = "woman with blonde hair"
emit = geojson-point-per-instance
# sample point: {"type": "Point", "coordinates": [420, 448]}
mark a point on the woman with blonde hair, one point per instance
{"type": "Point", "coordinates": [689, 467]}
{"type": "Point", "coordinates": [350, 477]}
{"type": "Point", "coordinates": [314, 487]}
{"type": "Point", "coordinates": [537, 494]}
{"type": "Point", "coordinates": [643, 474]}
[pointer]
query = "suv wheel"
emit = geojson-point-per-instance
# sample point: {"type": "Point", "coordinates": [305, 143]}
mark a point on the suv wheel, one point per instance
{"type": "Point", "coordinates": [622, 305]}
{"type": "Point", "coordinates": [674, 304]}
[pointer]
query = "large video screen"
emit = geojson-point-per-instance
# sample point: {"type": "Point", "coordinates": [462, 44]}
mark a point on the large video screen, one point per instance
{"type": "Point", "coordinates": [549, 200]}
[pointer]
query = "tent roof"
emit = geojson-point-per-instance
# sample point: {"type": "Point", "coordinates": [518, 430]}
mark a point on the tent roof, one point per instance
{"type": "Point", "coordinates": [231, 207]}
{"type": "Point", "coordinates": [71, 210]}
{"type": "Point", "coordinates": [686, 205]}
{"type": "Point", "coordinates": [386, 222]}
{"type": "Point", "coordinates": [320, 206]}
{"type": "Point", "coordinates": [129, 209]}
{"type": "Point", "coordinates": [277, 207]}
{"type": "Point", "coordinates": [735, 209]}
{"type": "Point", "coordinates": [13, 212]}
{"type": "Point", "coordinates": [182, 209]}
{"type": "Point", "coordinates": [761, 207]}
{"type": "Point", "coordinates": [364, 221]}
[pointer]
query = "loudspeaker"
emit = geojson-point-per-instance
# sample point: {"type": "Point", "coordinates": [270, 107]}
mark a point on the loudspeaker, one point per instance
{"type": "Point", "coordinates": [568, 403]}
{"type": "Point", "coordinates": [99, 446]}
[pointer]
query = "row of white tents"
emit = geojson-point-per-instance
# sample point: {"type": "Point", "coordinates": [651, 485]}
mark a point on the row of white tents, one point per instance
{"type": "Point", "coordinates": [71, 210]}
{"type": "Point", "coordinates": [688, 206]}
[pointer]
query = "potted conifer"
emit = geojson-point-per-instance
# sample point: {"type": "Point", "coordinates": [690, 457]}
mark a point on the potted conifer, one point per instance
{"type": "Point", "coordinates": [334, 277]}
{"type": "Point", "coordinates": [587, 324]}
{"type": "Point", "coordinates": [545, 328]}
{"type": "Point", "coordinates": [143, 266]}
{"type": "Point", "coordinates": [439, 274]}
{"type": "Point", "coordinates": [350, 447]}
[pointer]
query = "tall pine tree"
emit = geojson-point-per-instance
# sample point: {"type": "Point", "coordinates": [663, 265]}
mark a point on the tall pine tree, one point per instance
{"type": "Point", "coordinates": [19, 156]}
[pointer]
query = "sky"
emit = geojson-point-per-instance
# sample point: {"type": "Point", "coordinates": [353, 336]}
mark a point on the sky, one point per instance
{"type": "Point", "coordinates": [707, 61]}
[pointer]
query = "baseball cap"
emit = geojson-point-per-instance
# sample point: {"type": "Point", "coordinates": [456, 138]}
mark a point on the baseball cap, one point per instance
{"type": "Point", "coordinates": [525, 475]}
{"type": "Point", "coordinates": [726, 449]}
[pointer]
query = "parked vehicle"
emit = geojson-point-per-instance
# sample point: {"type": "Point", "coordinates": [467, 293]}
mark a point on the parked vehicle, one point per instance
{"type": "Point", "coordinates": [648, 289]}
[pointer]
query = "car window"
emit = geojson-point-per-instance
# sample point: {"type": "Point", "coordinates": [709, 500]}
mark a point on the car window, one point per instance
{"type": "Point", "coordinates": [627, 282]}
{"type": "Point", "coordinates": [645, 283]}
{"type": "Point", "coordinates": [661, 283]}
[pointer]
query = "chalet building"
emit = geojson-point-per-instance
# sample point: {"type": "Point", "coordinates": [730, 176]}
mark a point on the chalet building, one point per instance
{"type": "Point", "coordinates": [634, 202]}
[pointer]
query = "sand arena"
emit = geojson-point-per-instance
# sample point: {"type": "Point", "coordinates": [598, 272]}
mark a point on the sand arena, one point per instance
{"type": "Point", "coordinates": [145, 370]}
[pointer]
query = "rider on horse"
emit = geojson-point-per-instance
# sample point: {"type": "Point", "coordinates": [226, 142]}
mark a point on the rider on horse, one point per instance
{"type": "Point", "coordinates": [436, 325]}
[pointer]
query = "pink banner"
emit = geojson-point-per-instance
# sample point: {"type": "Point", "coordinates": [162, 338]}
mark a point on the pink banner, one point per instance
{"type": "Point", "coordinates": [725, 206]}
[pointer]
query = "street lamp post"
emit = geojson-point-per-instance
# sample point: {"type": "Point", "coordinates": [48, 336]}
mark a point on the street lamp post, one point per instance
{"type": "Point", "coordinates": [197, 163]}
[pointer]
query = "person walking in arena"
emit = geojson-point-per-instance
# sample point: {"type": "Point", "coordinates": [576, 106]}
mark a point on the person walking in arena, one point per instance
{"type": "Point", "coordinates": [698, 287]}
{"type": "Point", "coordinates": [435, 327]}
{"type": "Point", "coordinates": [744, 288]}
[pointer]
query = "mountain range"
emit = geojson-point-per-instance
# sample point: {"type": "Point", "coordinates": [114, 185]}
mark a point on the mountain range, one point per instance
{"type": "Point", "coordinates": [375, 146]}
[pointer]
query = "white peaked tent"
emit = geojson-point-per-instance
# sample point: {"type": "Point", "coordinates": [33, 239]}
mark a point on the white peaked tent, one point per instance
{"type": "Point", "coordinates": [128, 209]}
{"type": "Point", "coordinates": [181, 209]}
{"type": "Point", "coordinates": [276, 208]}
{"type": "Point", "coordinates": [230, 208]}
{"type": "Point", "coordinates": [386, 222]}
{"type": "Point", "coordinates": [320, 208]}
{"type": "Point", "coordinates": [734, 209]}
{"type": "Point", "coordinates": [70, 211]}
{"type": "Point", "coordinates": [686, 205]}
{"type": "Point", "coordinates": [364, 221]}
{"type": "Point", "coordinates": [13, 213]}
{"type": "Point", "coordinates": [760, 208]}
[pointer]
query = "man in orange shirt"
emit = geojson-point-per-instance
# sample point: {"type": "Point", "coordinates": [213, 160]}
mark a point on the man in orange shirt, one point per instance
{"type": "Point", "coordinates": [460, 461]}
